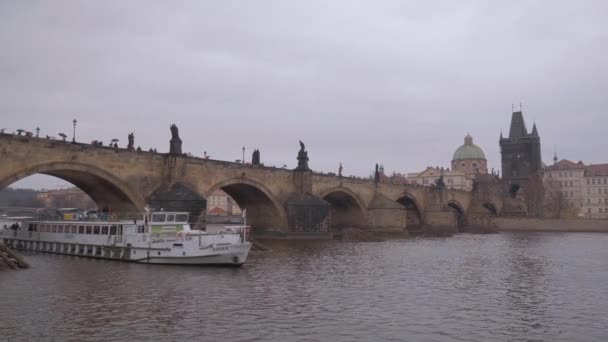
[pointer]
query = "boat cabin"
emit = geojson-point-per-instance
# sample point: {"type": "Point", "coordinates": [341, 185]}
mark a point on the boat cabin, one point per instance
{"type": "Point", "coordinates": [167, 222]}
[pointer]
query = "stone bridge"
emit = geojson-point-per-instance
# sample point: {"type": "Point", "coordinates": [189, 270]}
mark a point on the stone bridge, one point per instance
{"type": "Point", "coordinates": [276, 199]}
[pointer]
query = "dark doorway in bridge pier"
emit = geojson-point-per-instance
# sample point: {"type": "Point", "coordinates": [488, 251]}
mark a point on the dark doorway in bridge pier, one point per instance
{"type": "Point", "coordinates": [414, 222]}
{"type": "Point", "coordinates": [491, 208]}
{"type": "Point", "coordinates": [344, 211]}
{"type": "Point", "coordinates": [513, 190]}
{"type": "Point", "coordinates": [458, 215]}
{"type": "Point", "coordinates": [65, 193]}
{"type": "Point", "coordinates": [262, 213]}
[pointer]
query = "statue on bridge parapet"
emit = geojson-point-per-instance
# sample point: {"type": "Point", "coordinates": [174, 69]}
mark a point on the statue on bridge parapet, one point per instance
{"type": "Point", "coordinates": [131, 147]}
{"type": "Point", "coordinates": [302, 158]}
{"type": "Point", "coordinates": [255, 157]}
{"type": "Point", "coordinates": [175, 146]}
{"type": "Point", "coordinates": [340, 170]}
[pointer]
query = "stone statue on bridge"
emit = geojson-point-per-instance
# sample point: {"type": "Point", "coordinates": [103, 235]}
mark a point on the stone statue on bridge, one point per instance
{"type": "Point", "coordinates": [175, 144]}
{"type": "Point", "coordinates": [340, 170]}
{"type": "Point", "coordinates": [131, 145]}
{"type": "Point", "coordinates": [255, 157]}
{"type": "Point", "coordinates": [302, 158]}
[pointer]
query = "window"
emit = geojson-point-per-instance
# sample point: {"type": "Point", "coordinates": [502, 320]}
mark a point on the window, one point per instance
{"type": "Point", "coordinates": [588, 200]}
{"type": "Point", "coordinates": [170, 218]}
{"type": "Point", "coordinates": [589, 210]}
{"type": "Point", "coordinates": [96, 230]}
{"type": "Point", "coordinates": [588, 181]}
{"type": "Point", "coordinates": [80, 229]}
{"type": "Point", "coordinates": [89, 230]}
{"type": "Point", "coordinates": [112, 230]}
{"type": "Point", "coordinates": [104, 230]}
{"type": "Point", "coordinates": [181, 217]}
{"type": "Point", "coordinates": [158, 218]}
{"type": "Point", "coordinates": [601, 210]}
{"type": "Point", "coordinates": [74, 229]}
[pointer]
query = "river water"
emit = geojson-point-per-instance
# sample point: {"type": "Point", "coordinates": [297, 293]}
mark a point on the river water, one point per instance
{"type": "Point", "coordinates": [501, 287]}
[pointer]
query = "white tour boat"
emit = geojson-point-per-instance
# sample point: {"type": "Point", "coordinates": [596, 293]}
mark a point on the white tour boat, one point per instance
{"type": "Point", "coordinates": [156, 238]}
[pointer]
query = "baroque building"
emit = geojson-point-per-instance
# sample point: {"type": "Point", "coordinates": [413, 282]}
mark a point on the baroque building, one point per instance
{"type": "Point", "coordinates": [469, 159]}
{"type": "Point", "coordinates": [456, 180]}
{"type": "Point", "coordinates": [576, 189]}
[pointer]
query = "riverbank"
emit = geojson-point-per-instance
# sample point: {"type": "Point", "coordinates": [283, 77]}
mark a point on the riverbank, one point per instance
{"type": "Point", "coordinates": [9, 260]}
{"type": "Point", "coordinates": [551, 225]}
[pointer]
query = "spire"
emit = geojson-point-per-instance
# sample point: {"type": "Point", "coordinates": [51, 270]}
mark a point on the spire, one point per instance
{"type": "Point", "coordinates": [534, 131]}
{"type": "Point", "coordinates": [518, 126]}
{"type": "Point", "coordinates": [554, 154]}
{"type": "Point", "coordinates": [501, 134]}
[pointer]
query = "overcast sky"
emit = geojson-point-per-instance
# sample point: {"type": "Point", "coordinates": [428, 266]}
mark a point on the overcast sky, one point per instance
{"type": "Point", "coordinates": [360, 82]}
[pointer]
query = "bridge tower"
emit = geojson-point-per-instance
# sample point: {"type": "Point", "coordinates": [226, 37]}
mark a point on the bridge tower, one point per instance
{"type": "Point", "coordinates": [522, 167]}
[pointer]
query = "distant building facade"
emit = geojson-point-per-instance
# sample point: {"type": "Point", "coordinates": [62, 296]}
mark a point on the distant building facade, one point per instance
{"type": "Point", "coordinates": [456, 180]}
{"type": "Point", "coordinates": [220, 204]}
{"type": "Point", "coordinates": [65, 198]}
{"type": "Point", "coordinates": [582, 188]}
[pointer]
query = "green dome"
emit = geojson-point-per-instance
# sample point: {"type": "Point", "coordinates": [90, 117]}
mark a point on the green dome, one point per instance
{"type": "Point", "coordinates": [468, 150]}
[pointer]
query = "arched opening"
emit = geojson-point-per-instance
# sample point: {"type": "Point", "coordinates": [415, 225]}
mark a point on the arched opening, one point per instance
{"type": "Point", "coordinates": [262, 211]}
{"type": "Point", "coordinates": [345, 210]}
{"type": "Point", "coordinates": [513, 190]}
{"type": "Point", "coordinates": [491, 208]}
{"type": "Point", "coordinates": [106, 192]}
{"type": "Point", "coordinates": [458, 215]}
{"type": "Point", "coordinates": [414, 219]}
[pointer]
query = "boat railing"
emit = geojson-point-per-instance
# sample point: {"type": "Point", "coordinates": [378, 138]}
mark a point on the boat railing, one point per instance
{"type": "Point", "coordinates": [99, 217]}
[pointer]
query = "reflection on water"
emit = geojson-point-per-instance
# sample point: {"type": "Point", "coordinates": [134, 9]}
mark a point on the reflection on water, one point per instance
{"type": "Point", "coordinates": [503, 287]}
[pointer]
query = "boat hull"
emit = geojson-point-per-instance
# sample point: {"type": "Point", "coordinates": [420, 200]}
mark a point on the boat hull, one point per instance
{"type": "Point", "coordinates": [189, 252]}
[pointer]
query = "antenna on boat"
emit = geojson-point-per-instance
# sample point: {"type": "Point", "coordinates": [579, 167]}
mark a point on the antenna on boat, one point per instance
{"type": "Point", "coordinates": [244, 225]}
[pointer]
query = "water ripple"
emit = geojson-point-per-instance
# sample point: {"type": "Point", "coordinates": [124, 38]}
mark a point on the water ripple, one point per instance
{"type": "Point", "coordinates": [504, 287]}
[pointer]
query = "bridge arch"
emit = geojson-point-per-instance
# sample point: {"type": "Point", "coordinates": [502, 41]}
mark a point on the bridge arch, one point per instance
{"type": "Point", "coordinates": [459, 214]}
{"type": "Point", "coordinates": [492, 207]}
{"type": "Point", "coordinates": [104, 188]}
{"type": "Point", "coordinates": [346, 208]}
{"type": "Point", "coordinates": [415, 218]}
{"type": "Point", "coordinates": [263, 209]}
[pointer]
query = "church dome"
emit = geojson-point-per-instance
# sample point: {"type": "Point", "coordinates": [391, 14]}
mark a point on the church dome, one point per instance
{"type": "Point", "coordinates": [469, 150]}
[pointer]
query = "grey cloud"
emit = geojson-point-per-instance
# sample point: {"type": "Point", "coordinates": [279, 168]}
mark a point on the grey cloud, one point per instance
{"type": "Point", "coordinates": [394, 82]}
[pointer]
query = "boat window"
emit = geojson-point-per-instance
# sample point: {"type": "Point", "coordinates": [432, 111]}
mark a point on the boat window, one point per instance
{"type": "Point", "coordinates": [74, 230]}
{"type": "Point", "coordinates": [170, 218]}
{"type": "Point", "coordinates": [140, 229]}
{"type": "Point", "coordinates": [158, 218]}
{"type": "Point", "coordinates": [181, 217]}
{"type": "Point", "coordinates": [120, 230]}
{"type": "Point", "coordinates": [112, 230]}
{"type": "Point", "coordinates": [80, 229]}
{"type": "Point", "coordinates": [60, 228]}
{"type": "Point", "coordinates": [104, 230]}
{"type": "Point", "coordinates": [96, 230]}
{"type": "Point", "coordinates": [54, 228]}
{"type": "Point", "coordinates": [89, 230]}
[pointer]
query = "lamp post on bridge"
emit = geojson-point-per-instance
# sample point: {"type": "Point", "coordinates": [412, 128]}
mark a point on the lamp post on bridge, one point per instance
{"type": "Point", "coordinates": [243, 155]}
{"type": "Point", "coordinates": [74, 133]}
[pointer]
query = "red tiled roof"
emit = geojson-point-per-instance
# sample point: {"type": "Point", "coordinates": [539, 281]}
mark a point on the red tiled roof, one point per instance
{"type": "Point", "coordinates": [596, 170]}
{"type": "Point", "coordinates": [217, 210]}
{"type": "Point", "coordinates": [566, 164]}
